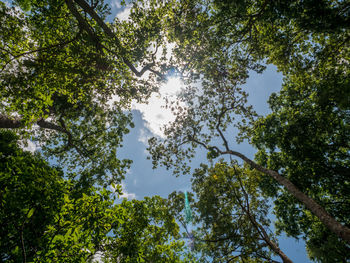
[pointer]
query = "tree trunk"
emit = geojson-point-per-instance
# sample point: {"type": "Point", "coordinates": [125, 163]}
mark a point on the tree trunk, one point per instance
{"type": "Point", "coordinates": [16, 122]}
{"type": "Point", "coordinates": [333, 225]}
{"type": "Point", "coordinates": [246, 209]}
{"type": "Point", "coordinates": [11, 123]}
{"type": "Point", "coordinates": [272, 244]}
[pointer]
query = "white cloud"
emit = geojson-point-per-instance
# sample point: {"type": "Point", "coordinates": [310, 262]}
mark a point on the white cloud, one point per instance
{"type": "Point", "coordinates": [155, 114]}
{"type": "Point", "coordinates": [124, 15]}
{"type": "Point", "coordinates": [143, 136]}
{"type": "Point", "coordinates": [126, 194]}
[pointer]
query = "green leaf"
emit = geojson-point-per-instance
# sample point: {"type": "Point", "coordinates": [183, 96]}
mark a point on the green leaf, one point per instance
{"type": "Point", "coordinates": [30, 213]}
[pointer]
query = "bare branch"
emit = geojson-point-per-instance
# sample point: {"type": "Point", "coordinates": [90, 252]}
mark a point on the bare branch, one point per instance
{"type": "Point", "coordinates": [221, 115]}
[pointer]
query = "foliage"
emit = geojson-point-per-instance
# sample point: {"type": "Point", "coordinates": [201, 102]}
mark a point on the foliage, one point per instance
{"type": "Point", "coordinates": [147, 235]}
{"type": "Point", "coordinates": [230, 215]}
{"type": "Point", "coordinates": [305, 138]}
{"type": "Point", "coordinates": [211, 111]}
{"type": "Point", "coordinates": [307, 135]}
{"type": "Point", "coordinates": [66, 69]}
{"type": "Point", "coordinates": [45, 218]}
{"type": "Point", "coordinates": [62, 63]}
{"type": "Point", "coordinates": [31, 194]}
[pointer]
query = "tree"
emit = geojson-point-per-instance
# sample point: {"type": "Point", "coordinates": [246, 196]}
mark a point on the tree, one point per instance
{"type": "Point", "coordinates": [31, 194]}
{"type": "Point", "coordinates": [46, 218]}
{"type": "Point", "coordinates": [234, 38]}
{"type": "Point", "coordinates": [149, 234]}
{"type": "Point", "coordinates": [307, 138]}
{"type": "Point", "coordinates": [61, 65]}
{"type": "Point", "coordinates": [230, 215]}
{"type": "Point", "coordinates": [210, 113]}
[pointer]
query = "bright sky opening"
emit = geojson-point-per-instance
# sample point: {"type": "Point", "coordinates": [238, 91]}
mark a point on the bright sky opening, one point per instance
{"type": "Point", "coordinates": [154, 113]}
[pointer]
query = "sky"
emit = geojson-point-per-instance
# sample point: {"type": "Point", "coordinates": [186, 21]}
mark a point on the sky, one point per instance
{"type": "Point", "coordinates": [141, 180]}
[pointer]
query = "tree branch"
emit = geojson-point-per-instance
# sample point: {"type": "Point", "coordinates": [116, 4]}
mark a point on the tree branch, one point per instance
{"type": "Point", "coordinates": [329, 221]}
{"type": "Point", "coordinates": [222, 113]}
{"type": "Point", "coordinates": [90, 10]}
{"type": "Point", "coordinates": [10, 122]}
{"type": "Point", "coordinates": [336, 227]}
{"type": "Point", "coordinates": [71, 140]}
{"type": "Point", "coordinates": [273, 246]}
{"type": "Point", "coordinates": [16, 122]}
{"type": "Point", "coordinates": [83, 24]}
{"type": "Point", "coordinates": [38, 50]}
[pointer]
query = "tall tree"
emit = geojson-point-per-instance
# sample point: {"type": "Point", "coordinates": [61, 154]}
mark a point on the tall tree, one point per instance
{"type": "Point", "coordinates": [230, 216]}
{"type": "Point", "coordinates": [310, 137]}
{"type": "Point", "coordinates": [62, 66]}
{"type": "Point", "coordinates": [46, 218]}
{"type": "Point", "coordinates": [208, 117]}
{"type": "Point", "coordinates": [232, 37]}
{"type": "Point", "coordinates": [61, 63]}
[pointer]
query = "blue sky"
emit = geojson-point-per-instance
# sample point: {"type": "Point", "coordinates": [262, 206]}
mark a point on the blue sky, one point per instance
{"type": "Point", "coordinates": [141, 180]}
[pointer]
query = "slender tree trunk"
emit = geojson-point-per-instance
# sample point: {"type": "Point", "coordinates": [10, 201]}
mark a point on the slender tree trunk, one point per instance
{"type": "Point", "coordinates": [272, 244]}
{"type": "Point", "coordinates": [24, 255]}
{"type": "Point", "coordinates": [333, 225]}
{"type": "Point", "coordinates": [246, 209]}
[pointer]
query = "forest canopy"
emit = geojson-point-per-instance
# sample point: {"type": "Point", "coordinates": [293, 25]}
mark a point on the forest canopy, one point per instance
{"type": "Point", "coordinates": [69, 75]}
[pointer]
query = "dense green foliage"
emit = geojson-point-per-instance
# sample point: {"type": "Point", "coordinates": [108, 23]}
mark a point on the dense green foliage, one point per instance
{"type": "Point", "coordinates": [310, 142]}
{"type": "Point", "coordinates": [67, 79]}
{"type": "Point", "coordinates": [305, 138]}
{"type": "Point", "coordinates": [230, 215]}
{"type": "Point", "coordinates": [45, 218]}
{"type": "Point", "coordinates": [31, 194]}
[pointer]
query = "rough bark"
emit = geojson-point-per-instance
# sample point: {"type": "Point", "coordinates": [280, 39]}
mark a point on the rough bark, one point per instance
{"type": "Point", "coordinates": [273, 245]}
{"type": "Point", "coordinates": [8, 122]}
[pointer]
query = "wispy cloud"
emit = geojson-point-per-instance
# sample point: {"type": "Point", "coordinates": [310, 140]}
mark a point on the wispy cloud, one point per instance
{"type": "Point", "coordinates": [144, 135]}
{"type": "Point", "coordinates": [116, 4]}
{"type": "Point", "coordinates": [128, 195]}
